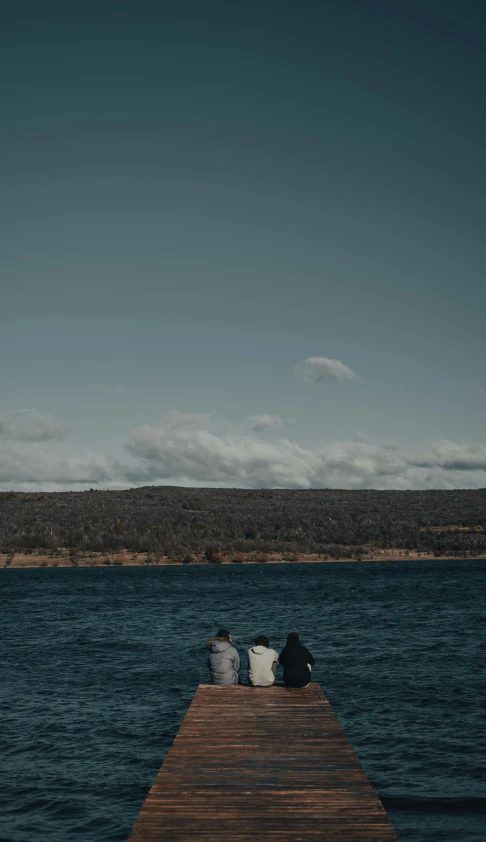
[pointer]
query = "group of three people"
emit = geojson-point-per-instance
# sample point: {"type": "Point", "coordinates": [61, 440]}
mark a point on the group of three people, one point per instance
{"type": "Point", "coordinates": [224, 661]}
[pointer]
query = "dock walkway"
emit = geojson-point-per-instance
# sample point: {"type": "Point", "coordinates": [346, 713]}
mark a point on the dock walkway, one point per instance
{"type": "Point", "coordinates": [261, 764]}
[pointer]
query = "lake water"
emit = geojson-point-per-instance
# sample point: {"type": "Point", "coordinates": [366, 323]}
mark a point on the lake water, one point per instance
{"type": "Point", "coordinates": [99, 666]}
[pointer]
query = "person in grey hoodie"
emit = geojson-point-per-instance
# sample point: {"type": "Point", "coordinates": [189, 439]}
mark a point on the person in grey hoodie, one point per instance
{"type": "Point", "coordinates": [223, 660]}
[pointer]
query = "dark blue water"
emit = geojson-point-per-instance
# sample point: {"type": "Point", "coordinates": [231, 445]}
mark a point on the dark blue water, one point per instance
{"type": "Point", "coordinates": [100, 664]}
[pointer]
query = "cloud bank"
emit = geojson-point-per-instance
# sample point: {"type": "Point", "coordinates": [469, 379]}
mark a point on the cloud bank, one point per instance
{"type": "Point", "coordinates": [29, 425]}
{"type": "Point", "coordinates": [39, 465]}
{"type": "Point", "coordinates": [199, 449]}
{"type": "Point", "coordinates": [167, 451]}
{"type": "Point", "coordinates": [318, 370]}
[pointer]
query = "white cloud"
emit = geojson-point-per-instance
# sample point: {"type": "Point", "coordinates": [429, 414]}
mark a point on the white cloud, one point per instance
{"type": "Point", "coordinates": [316, 370]}
{"type": "Point", "coordinates": [205, 456]}
{"type": "Point", "coordinates": [38, 464]}
{"type": "Point", "coordinates": [165, 452]}
{"type": "Point", "coordinates": [29, 425]}
{"type": "Point", "coordinates": [454, 457]}
{"type": "Point", "coordinates": [265, 422]}
{"type": "Point", "coordinates": [200, 449]}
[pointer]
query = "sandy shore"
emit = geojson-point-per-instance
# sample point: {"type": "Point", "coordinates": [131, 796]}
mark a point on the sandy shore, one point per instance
{"type": "Point", "coordinates": [128, 559]}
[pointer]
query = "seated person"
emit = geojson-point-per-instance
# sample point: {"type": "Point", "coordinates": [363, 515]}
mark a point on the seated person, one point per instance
{"type": "Point", "coordinates": [223, 660]}
{"type": "Point", "coordinates": [297, 662]}
{"type": "Point", "coordinates": [262, 663]}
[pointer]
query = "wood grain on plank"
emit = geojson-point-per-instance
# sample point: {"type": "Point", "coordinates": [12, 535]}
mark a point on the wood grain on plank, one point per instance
{"type": "Point", "coordinates": [261, 764]}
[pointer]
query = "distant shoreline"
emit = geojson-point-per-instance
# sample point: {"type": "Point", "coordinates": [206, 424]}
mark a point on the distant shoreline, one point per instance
{"type": "Point", "coordinates": [128, 559]}
{"type": "Point", "coordinates": [168, 526]}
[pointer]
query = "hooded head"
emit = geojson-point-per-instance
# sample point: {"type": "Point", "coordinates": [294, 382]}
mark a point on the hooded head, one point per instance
{"type": "Point", "coordinates": [223, 636]}
{"type": "Point", "coordinates": [262, 640]}
{"type": "Point", "coordinates": [293, 639]}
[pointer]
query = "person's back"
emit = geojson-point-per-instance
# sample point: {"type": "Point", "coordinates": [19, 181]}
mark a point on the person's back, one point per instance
{"type": "Point", "coordinates": [296, 661]}
{"type": "Point", "coordinates": [262, 663]}
{"type": "Point", "coordinates": [223, 660]}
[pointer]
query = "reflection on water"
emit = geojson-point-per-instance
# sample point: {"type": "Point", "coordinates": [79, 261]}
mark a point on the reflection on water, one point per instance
{"type": "Point", "coordinates": [100, 664]}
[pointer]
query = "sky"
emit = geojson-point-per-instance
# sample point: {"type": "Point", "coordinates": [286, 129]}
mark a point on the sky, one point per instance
{"type": "Point", "coordinates": [242, 244]}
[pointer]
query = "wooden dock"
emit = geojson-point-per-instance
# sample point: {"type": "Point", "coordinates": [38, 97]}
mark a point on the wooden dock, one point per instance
{"type": "Point", "coordinates": [261, 764]}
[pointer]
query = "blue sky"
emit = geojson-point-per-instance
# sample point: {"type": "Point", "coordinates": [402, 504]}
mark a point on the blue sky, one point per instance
{"type": "Point", "coordinates": [199, 197]}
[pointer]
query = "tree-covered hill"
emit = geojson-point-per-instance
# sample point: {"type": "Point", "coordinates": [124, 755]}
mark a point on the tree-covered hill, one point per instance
{"type": "Point", "coordinates": [177, 521]}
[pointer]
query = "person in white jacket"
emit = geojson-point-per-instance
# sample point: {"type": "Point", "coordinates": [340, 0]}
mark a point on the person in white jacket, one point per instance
{"type": "Point", "coordinates": [262, 663]}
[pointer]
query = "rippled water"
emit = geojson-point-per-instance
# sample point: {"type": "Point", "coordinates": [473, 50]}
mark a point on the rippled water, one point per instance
{"type": "Point", "coordinates": [100, 664]}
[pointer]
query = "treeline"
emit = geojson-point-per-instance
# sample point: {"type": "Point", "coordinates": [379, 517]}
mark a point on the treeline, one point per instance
{"type": "Point", "coordinates": [179, 521]}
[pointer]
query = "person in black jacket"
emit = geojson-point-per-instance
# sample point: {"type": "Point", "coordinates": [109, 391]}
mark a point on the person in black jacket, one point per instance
{"type": "Point", "coordinates": [296, 661]}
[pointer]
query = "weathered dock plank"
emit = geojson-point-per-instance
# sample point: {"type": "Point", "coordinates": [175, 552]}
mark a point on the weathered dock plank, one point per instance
{"type": "Point", "coordinates": [261, 764]}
